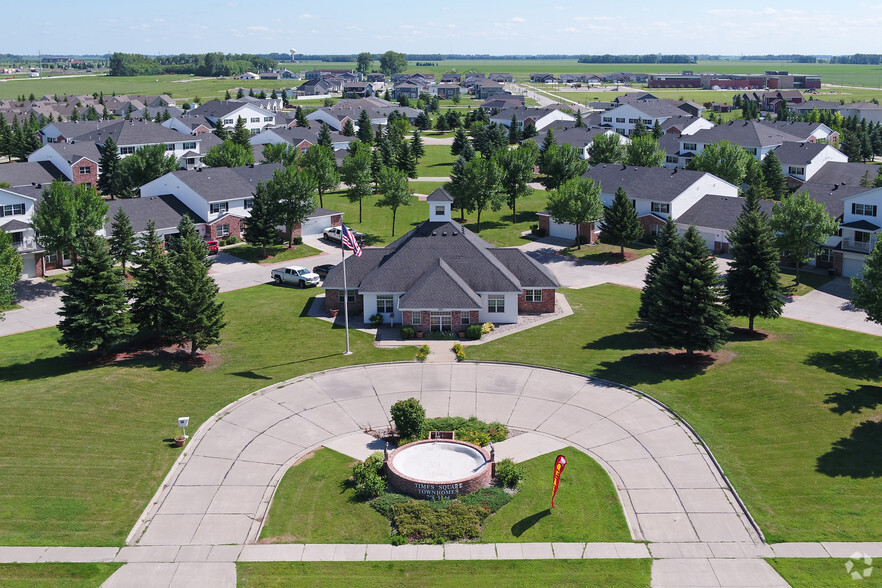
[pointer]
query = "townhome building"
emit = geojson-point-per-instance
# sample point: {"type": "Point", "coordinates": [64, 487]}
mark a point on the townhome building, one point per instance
{"type": "Point", "coordinates": [256, 118]}
{"type": "Point", "coordinates": [540, 118]}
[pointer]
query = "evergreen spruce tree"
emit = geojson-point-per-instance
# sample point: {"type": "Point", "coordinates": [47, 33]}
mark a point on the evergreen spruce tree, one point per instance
{"type": "Point", "coordinates": [220, 131]}
{"type": "Point", "coordinates": [405, 161]}
{"type": "Point", "coordinates": [639, 129]}
{"type": "Point", "coordinates": [195, 315]}
{"type": "Point", "coordinates": [122, 239]}
{"type": "Point", "coordinates": [866, 287]}
{"type": "Point", "coordinates": [348, 129]}
{"type": "Point", "coordinates": [456, 187]}
{"type": "Point", "coordinates": [151, 291]}
{"type": "Point", "coordinates": [529, 130]}
{"type": "Point", "coordinates": [324, 137]}
{"type": "Point", "coordinates": [514, 131]}
{"type": "Point", "coordinates": [240, 93]}
{"type": "Point", "coordinates": [241, 135]}
{"type": "Point", "coordinates": [365, 132]}
{"type": "Point", "coordinates": [688, 314]}
{"type": "Point", "coordinates": [263, 219]}
{"type": "Point", "coordinates": [752, 288]}
{"type": "Point", "coordinates": [460, 140]}
{"type": "Point", "coordinates": [547, 142]}
{"type": "Point", "coordinates": [657, 131]}
{"type": "Point", "coordinates": [416, 146]}
{"type": "Point", "coordinates": [94, 305]}
{"type": "Point", "coordinates": [773, 176]}
{"type": "Point", "coordinates": [620, 225]}
{"type": "Point", "coordinates": [664, 242]}
{"type": "Point", "coordinates": [300, 118]}
{"type": "Point", "coordinates": [112, 181]}
{"type": "Point", "coordinates": [227, 95]}
{"type": "Point", "coordinates": [579, 122]}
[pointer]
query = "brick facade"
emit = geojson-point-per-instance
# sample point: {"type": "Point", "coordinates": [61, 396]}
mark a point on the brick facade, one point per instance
{"type": "Point", "coordinates": [89, 174]}
{"type": "Point", "coordinates": [426, 320]}
{"type": "Point", "coordinates": [333, 302]}
{"type": "Point", "coordinates": [236, 226]}
{"type": "Point", "coordinates": [544, 223]}
{"type": "Point", "coordinates": [648, 221]}
{"type": "Point", "coordinates": [446, 489]}
{"type": "Point", "coordinates": [544, 305]}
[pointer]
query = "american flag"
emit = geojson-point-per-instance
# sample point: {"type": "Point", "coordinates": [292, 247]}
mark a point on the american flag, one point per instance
{"type": "Point", "coordinates": [350, 242]}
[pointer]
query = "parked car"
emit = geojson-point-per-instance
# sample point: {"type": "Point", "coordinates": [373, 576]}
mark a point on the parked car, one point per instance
{"type": "Point", "coordinates": [212, 246]}
{"type": "Point", "coordinates": [336, 234]}
{"type": "Point", "coordinates": [322, 270]}
{"type": "Point", "coordinates": [296, 275]}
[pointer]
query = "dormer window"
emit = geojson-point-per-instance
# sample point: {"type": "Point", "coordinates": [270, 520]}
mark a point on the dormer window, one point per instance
{"type": "Point", "coordinates": [439, 211]}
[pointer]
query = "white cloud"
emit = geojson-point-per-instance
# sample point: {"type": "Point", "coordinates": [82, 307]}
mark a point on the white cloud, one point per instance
{"type": "Point", "coordinates": [258, 29]}
{"type": "Point", "coordinates": [352, 28]}
{"type": "Point", "coordinates": [518, 19]}
{"type": "Point", "coordinates": [306, 16]}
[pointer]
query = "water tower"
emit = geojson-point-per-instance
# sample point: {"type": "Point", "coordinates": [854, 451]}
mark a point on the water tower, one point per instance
{"type": "Point", "coordinates": [293, 52]}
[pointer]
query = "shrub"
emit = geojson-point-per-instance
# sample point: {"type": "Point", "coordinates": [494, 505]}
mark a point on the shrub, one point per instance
{"type": "Point", "coordinates": [496, 431]}
{"type": "Point", "coordinates": [399, 539]}
{"type": "Point", "coordinates": [376, 319]}
{"type": "Point", "coordinates": [477, 437]}
{"type": "Point", "coordinates": [459, 351]}
{"type": "Point", "coordinates": [298, 240]}
{"type": "Point", "coordinates": [232, 240]}
{"type": "Point", "coordinates": [509, 474]}
{"type": "Point", "coordinates": [491, 499]}
{"type": "Point", "coordinates": [409, 415]}
{"type": "Point", "coordinates": [419, 521]}
{"type": "Point", "coordinates": [486, 328]}
{"type": "Point", "coordinates": [386, 502]}
{"type": "Point", "coordinates": [440, 335]}
{"type": "Point", "coordinates": [368, 478]}
{"type": "Point", "coordinates": [473, 331]}
{"type": "Point", "coordinates": [407, 333]}
{"type": "Point", "coordinates": [540, 232]}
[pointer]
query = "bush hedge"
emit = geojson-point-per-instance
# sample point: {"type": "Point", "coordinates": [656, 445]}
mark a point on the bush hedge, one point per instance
{"type": "Point", "coordinates": [473, 331]}
{"type": "Point", "coordinates": [509, 473]}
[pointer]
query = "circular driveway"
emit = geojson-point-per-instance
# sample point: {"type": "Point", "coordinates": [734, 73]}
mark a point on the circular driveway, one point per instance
{"type": "Point", "coordinates": [220, 489]}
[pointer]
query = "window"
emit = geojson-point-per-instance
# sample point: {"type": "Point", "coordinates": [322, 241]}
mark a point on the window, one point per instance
{"type": "Point", "coordinates": [751, 150]}
{"type": "Point", "coordinates": [267, 119]}
{"type": "Point", "coordinates": [662, 207]}
{"type": "Point", "coordinates": [416, 318]}
{"type": "Point", "coordinates": [632, 120]}
{"type": "Point", "coordinates": [861, 237]}
{"type": "Point", "coordinates": [620, 131]}
{"type": "Point", "coordinates": [170, 147]}
{"type": "Point", "coordinates": [217, 207]}
{"type": "Point", "coordinates": [85, 169]}
{"type": "Point", "coordinates": [796, 171]}
{"type": "Point", "coordinates": [440, 321]}
{"type": "Point", "coordinates": [255, 119]}
{"type": "Point", "coordinates": [51, 258]}
{"type": "Point", "coordinates": [350, 297]}
{"type": "Point", "coordinates": [249, 202]}
{"type": "Point", "coordinates": [620, 120]}
{"type": "Point", "coordinates": [826, 254]}
{"type": "Point", "coordinates": [655, 230]}
{"type": "Point", "coordinates": [228, 121]}
{"type": "Point", "coordinates": [384, 304]}
{"type": "Point", "coordinates": [17, 238]}
{"type": "Point", "coordinates": [51, 139]}
{"type": "Point", "coordinates": [12, 209]}
{"type": "Point", "coordinates": [464, 318]}
{"type": "Point", "coordinates": [607, 119]}
{"type": "Point", "coordinates": [223, 230]}
{"type": "Point", "coordinates": [690, 147]}
{"type": "Point", "coordinates": [126, 150]}
{"type": "Point", "coordinates": [495, 303]}
{"type": "Point", "coordinates": [863, 209]}
{"type": "Point", "coordinates": [533, 295]}
{"type": "Point", "coordinates": [439, 210]}
{"type": "Point", "coordinates": [255, 131]}
{"type": "Point", "coordinates": [189, 145]}
{"type": "Point", "coordinates": [672, 159]}
{"type": "Point", "coordinates": [646, 121]}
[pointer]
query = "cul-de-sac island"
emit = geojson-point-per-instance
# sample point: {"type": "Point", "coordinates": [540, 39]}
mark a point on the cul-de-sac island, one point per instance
{"type": "Point", "coordinates": [332, 317]}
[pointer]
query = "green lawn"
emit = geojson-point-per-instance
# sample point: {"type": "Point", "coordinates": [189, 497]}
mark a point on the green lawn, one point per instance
{"type": "Point", "coordinates": [496, 226]}
{"type": "Point", "coordinates": [59, 279]}
{"type": "Point", "coordinates": [605, 253]}
{"type": "Point", "coordinates": [437, 162]}
{"type": "Point", "coordinates": [92, 441]}
{"type": "Point", "coordinates": [622, 573]}
{"type": "Point", "coordinates": [823, 573]}
{"type": "Point", "coordinates": [587, 507]}
{"type": "Point", "coordinates": [65, 575]}
{"type": "Point", "coordinates": [794, 419]}
{"type": "Point", "coordinates": [808, 281]}
{"type": "Point", "coordinates": [313, 504]}
{"type": "Point", "coordinates": [277, 253]}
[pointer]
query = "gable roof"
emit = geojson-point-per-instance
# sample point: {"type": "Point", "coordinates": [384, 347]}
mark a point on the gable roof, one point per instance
{"type": "Point", "coordinates": [220, 108]}
{"type": "Point", "coordinates": [830, 196]}
{"type": "Point", "coordinates": [798, 153]}
{"type": "Point", "coordinates": [649, 183]}
{"type": "Point", "coordinates": [846, 173]}
{"type": "Point", "coordinates": [718, 212]}
{"type": "Point", "coordinates": [440, 287]}
{"type": "Point", "coordinates": [439, 195]}
{"type": "Point", "coordinates": [133, 132]}
{"type": "Point", "coordinates": [218, 184]}
{"type": "Point", "coordinates": [28, 173]}
{"type": "Point", "coordinates": [73, 152]}
{"type": "Point", "coordinates": [165, 210]}
{"type": "Point", "coordinates": [803, 130]}
{"type": "Point", "coordinates": [743, 133]}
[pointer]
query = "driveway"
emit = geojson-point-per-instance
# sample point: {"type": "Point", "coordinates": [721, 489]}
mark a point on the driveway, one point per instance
{"type": "Point", "coordinates": [829, 305]}
{"type": "Point", "coordinates": [39, 301]}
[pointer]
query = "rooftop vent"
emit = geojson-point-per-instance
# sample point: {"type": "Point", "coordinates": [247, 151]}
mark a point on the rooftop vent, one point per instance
{"type": "Point", "coordinates": [455, 233]}
{"type": "Point", "coordinates": [444, 234]}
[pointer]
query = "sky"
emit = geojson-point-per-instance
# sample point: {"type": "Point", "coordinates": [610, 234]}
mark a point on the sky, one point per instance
{"type": "Point", "coordinates": [439, 26]}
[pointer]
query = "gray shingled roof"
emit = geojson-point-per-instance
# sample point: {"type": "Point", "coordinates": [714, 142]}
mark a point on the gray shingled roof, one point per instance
{"type": "Point", "coordinates": [861, 224]}
{"type": "Point", "coordinates": [221, 108]}
{"type": "Point", "coordinates": [803, 130]}
{"type": "Point", "coordinates": [28, 172]}
{"type": "Point", "coordinates": [166, 212]}
{"type": "Point", "coordinates": [440, 287]}
{"type": "Point", "coordinates": [439, 195]}
{"type": "Point", "coordinates": [649, 183]}
{"type": "Point", "coordinates": [578, 137]}
{"type": "Point", "coordinates": [790, 153]}
{"type": "Point", "coordinates": [530, 272]}
{"type": "Point", "coordinates": [835, 172]}
{"type": "Point", "coordinates": [14, 226]}
{"type": "Point", "coordinates": [743, 133]}
{"type": "Point", "coordinates": [218, 184]}
{"type": "Point", "coordinates": [73, 152]}
{"type": "Point", "coordinates": [830, 195]}
{"type": "Point", "coordinates": [134, 132]}
{"type": "Point", "coordinates": [718, 212]}
{"type": "Point", "coordinates": [399, 266]}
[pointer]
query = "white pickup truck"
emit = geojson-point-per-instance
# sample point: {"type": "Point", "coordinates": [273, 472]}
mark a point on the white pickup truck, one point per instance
{"type": "Point", "coordinates": [296, 275]}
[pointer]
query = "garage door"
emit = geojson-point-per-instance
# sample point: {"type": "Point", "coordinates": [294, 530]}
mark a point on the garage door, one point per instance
{"type": "Point", "coordinates": [29, 269]}
{"type": "Point", "coordinates": [852, 266]}
{"type": "Point", "coordinates": [315, 226]}
{"type": "Point", "coordinates": [561, 230]}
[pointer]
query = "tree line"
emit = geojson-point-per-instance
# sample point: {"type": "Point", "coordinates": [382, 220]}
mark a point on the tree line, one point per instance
{"type": "Point", "coordinates": [646, 58]}
{"type": "Point", "coordinates": [201, 64]}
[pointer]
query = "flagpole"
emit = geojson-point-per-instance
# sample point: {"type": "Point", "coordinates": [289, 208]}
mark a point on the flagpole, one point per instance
{"type": "Point", "coordinates": [345, 295]}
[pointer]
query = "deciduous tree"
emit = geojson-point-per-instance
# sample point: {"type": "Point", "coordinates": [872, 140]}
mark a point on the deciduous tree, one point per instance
{"type": "Point", "coordinates": [516, 172]}
{"type": "Point", "coordinates": [228, 154]}
{"type": "Point", "coordinates": [723, 159]}
{"type": "Point", "coordinates": [10, 270]}
{"type": "Point", "coordinates": [644, 152]}
{"type": "Point", "coordinates": [321, 164]}
{"type": "Point", "coordinates": [802, 226]}
{"type": "Point", "coordinates": [561, 163]}
{"type": "Point", "coordinates": [363, 62]}
{"type": "Point", "coordinates": [395, 191]}
{"type": "Point", "coordinates": [294, 189]}
{"type": "Point", "coordinates": [283, 153]}
{"type": "Point", "coordinates": [66, 216]}
{"type": "Point", "coordinates": [606, 148]}
{"type": "Point", "coordinates": [576, 201]}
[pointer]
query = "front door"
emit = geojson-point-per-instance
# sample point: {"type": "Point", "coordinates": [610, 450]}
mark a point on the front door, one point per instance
{"type": "Point", "coordinates": [441, 321]}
